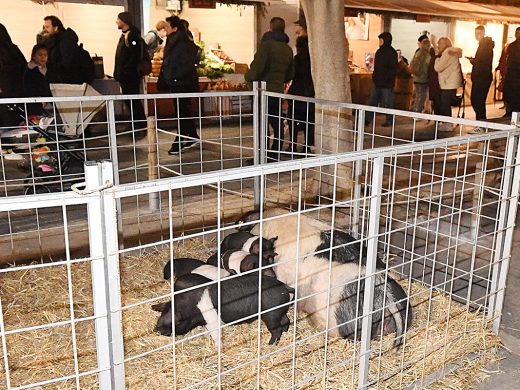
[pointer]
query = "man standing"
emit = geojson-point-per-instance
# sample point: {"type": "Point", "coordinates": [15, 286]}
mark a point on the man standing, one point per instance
{"type": "Point", "coordinates": [273, 63]}
{"type": "Point", "coordinates": [179, 75]}
{"type": "Point", "coordinates": [64, 64]}
{"type": "Point", "coordinates": [383, 78]}
{"type": "Point", "coordinates": [419, 67]}
{"type": "Point", "coordinates": [481, 74]}
{"type": "Point", "coordinates": [129, 53]}
{"type": "Point", "coordinates": [512, 78]}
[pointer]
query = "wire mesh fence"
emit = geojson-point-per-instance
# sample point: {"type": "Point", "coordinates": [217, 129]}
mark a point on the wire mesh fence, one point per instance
{"type": "Point", "coordinates": [45, 141]}
{"type": "Point", "coordinates": [388, 271]}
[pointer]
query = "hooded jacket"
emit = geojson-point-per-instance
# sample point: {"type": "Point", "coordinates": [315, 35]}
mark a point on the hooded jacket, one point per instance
{"type": "Point", "coordinates": [512, 79]}
{"type": "Point", "coordinates": [273, 62]}
{"type": "Point", "coordinates": [385, 64]}
{"type": "Point", "coordinates": [448, 68]}
{"type": "Point", "coordinates": [128, 55]}
{"type": "Point", "coordinates": [64, 58]}
{"type": "Point", "coordinates": [179, 67]}
{"type": "Point", "coordinates": [483, 61]}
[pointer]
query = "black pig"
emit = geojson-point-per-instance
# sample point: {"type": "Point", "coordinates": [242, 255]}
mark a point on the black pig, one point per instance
{"type": "Point", "coordinates": [239, 299]}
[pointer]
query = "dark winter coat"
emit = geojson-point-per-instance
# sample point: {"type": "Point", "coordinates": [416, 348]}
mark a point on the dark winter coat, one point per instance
{"type": "Point", "coordinates": [12, 66]}
{"type": "Point", "coordinates": [64, 64]}
{"type": "Point", "coordinates": [385, 66]}
{"type": "Point", "coordinates": [302, 84]}
{"type": "Point", "coordinates": [35, 84]}
{"type": "Point", "coordinates": [179, 67]}
{"type": "Point", "coordinates": [512, 79]}
{"type": "Point", "coordinates": [129, 53]}
{"type": "Point", "coordinates": [273, 62]}
{"type": "Point", "coordinates": [434, 89]}
{"type": "Point", "coordinates": [483, 61]}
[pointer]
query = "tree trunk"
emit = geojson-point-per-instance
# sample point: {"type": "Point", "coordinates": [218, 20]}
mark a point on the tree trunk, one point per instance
{"type": "Point", "coordinates": [328, 48]}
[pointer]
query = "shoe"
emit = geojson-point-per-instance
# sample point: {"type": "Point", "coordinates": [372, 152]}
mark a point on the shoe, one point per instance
{"type": "Point", "coordinates": [190, 143]}
{"type": "Point", "coordinates": [178, 146]}
{"type": "Point", "coordinates": [477, 130]}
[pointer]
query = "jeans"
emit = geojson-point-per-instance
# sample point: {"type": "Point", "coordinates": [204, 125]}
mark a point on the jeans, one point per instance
{"type": "Point", "coordinates": [421, 91]}
{"type": "Point", "coordinates": [385, 96]}
{"type": "Point", "coordinates": [135, 106]}
{"type": "Point", "coordinates": [479, 92]}
{"type": "Point", "coordinates": [447, 97]}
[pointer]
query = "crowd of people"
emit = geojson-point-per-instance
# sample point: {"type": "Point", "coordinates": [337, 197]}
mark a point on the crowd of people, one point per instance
{"type": "Point", "coordinates": [437, 73]}
{"type": "Point", "coordinates": [58, 57]}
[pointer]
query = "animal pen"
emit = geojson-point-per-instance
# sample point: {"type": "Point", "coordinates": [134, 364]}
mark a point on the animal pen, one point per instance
{"type": "Point", "coordinates": [437, 211]}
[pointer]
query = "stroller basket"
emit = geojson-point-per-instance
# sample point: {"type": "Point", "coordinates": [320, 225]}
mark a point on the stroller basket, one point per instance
{"type": "Point", "coordinates": [62, 165]}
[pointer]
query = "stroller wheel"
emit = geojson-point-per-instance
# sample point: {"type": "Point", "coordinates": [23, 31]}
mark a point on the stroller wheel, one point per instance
{"type": "Point", "coordinates": [36, 189]}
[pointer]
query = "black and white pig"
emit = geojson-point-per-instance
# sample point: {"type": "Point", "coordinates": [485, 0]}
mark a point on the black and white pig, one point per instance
{"type": "Point", "coordinates": [246, 242]}
{"type": "Point", "coordinates": [239, 299]}
{"type": "Point", "coordinates": [238, 261]}
{"type": "Point", "coordinates": [348, 264]}
{"type": "Point", "coordinates": [314, 238]}
{"type": "Point", "coordinates": [183, 266]}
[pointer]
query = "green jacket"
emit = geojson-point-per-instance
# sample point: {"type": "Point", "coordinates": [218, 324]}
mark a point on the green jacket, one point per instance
{"type": "Point", "coordinates": [274, 64]}
{"type": "Point", "coordinates": [419, 66]}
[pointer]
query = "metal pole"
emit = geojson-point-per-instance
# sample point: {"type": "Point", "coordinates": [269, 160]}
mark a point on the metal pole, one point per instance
{"type": "Point", "coordinates": [93, 179]}
{"type": "Point", "coordinates": [501, 226]}
{"type": "Point", "coordinates": [153, 166]}
{"type": "Point", "coordinates": [113, 280]}
{"type": "Point", "coordinates": [373, 231]}
{"type": "Point", "coordinates": [357, 173]}
{"type": "Point", "coordinates": [263, 122]}
{"type": "Point", "coordinates": [115, 163]}
{"type": "Point", "coordinates": [508, 240]}
{"type": "Point", "coordinates": [256, 137]}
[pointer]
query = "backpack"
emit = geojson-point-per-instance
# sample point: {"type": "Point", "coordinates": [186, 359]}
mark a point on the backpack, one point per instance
{"type": "Point", "coordinates": [144, 67]}
{"type": "Point", "coordinates": [86, 65]}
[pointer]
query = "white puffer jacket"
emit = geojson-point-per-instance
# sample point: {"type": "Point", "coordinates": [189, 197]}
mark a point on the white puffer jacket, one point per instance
{"type": "Point", "coordinates": [448, 68]}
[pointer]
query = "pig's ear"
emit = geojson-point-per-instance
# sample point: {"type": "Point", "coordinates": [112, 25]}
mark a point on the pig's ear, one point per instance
{"type": "Point", "coordinates": [248, 217]}
{"type": "Point", "coordinates": [162, 307]}
{"type": "Point", "coordinates": [273, 240]}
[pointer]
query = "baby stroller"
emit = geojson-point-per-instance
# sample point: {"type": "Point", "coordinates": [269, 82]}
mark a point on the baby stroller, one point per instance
{"type": "Point", "coordinates": [54, 161]}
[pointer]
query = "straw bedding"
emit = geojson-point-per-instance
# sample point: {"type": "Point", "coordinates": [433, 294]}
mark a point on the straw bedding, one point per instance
{"type": "Point", "coordinates": [39, 296]}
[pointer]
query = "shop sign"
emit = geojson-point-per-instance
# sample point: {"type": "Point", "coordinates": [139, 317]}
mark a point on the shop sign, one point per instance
{"type": "Point", "coordinates": [203, 3]}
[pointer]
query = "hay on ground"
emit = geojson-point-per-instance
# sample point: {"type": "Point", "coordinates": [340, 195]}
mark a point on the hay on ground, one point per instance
{"type": "Point", "coordinates": [443, 332]}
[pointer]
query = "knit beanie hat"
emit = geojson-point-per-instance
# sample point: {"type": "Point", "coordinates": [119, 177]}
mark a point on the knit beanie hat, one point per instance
{"type": "Point", "coordinates": [125, 17]}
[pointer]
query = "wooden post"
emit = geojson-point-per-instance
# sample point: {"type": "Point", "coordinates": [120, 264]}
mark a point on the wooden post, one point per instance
{"type": "Point", "coordinates": [153, 160]}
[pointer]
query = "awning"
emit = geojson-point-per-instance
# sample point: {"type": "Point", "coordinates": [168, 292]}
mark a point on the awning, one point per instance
{"type": "Point", "coordinates": [99, 2]}
{"type": "Point", "coordinates": [439, 8]}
